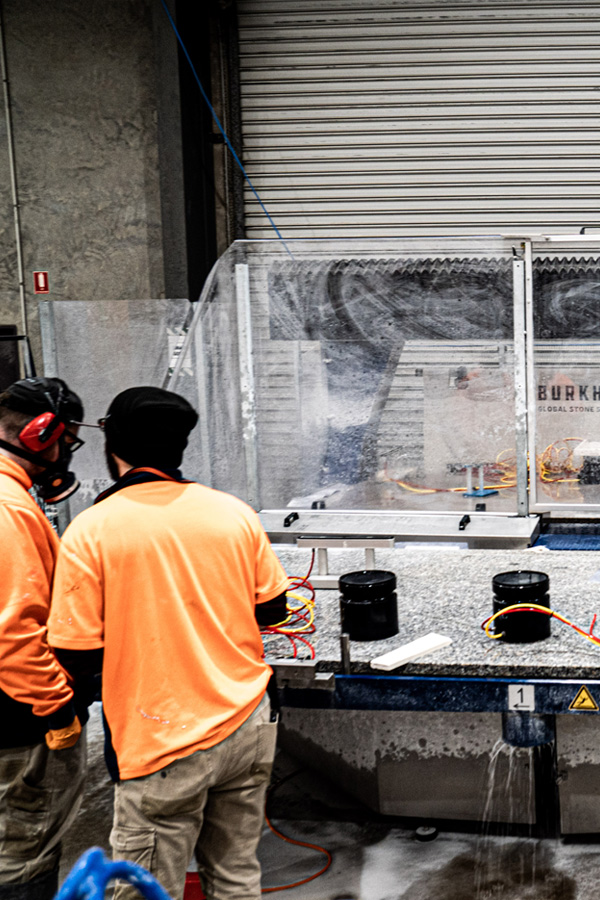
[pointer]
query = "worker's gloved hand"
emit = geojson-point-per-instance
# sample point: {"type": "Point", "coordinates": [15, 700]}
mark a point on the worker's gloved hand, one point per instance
{"type": "Point", "coordinates": [63, 738]}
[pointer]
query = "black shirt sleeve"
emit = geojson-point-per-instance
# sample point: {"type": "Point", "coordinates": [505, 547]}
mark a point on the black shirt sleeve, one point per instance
{"type": "Point", "coordinates": [272, 612]}
{"type": "Point", "coordinates": [85, 670]}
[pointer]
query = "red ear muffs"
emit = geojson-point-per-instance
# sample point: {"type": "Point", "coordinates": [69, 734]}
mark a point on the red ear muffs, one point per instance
{"type": "Point", "coordinates": [42, 432]}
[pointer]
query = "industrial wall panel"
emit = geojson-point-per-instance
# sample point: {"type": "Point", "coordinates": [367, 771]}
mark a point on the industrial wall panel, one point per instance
{"type": "Point", "coordinates": [400, 117]}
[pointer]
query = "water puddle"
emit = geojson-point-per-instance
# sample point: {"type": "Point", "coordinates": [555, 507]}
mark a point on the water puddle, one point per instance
{"type": "Point", "coordinates": [520, 870]}
{"type": "Point", "coordinates": [501, 866]}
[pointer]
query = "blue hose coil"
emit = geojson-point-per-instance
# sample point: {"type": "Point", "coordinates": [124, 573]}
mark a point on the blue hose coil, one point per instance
{"type": "Point", "coordinates": [91, 873]}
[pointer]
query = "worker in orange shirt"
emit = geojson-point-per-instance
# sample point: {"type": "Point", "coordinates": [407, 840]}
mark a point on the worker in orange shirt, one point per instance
{"type": "Point", "coordinates": [159, 583]}
{"type": "Point", "coordinates": [42, 757]}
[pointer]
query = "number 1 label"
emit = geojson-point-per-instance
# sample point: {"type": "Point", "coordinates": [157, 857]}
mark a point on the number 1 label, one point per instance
{"type": "Point", "coordinates": [521, 697]}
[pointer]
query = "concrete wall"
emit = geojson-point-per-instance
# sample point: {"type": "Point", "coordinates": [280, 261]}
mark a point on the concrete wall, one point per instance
{"type": "Point", "coordinates": [578, 752]}
{"type": "Point", "coordinates": [417, 764]}
{"type": "Point", "coordinates": [85, 89]}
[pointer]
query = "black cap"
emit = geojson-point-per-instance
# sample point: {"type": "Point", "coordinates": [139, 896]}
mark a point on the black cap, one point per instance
{"type": "Point", "coordinates": [35, 396]}
{"type": "Point", "coordinates": [148, 426]}
{"type": "Point", "coordinates": [369, 584]}
{"type": "Point", "coordinates": [521, 586]}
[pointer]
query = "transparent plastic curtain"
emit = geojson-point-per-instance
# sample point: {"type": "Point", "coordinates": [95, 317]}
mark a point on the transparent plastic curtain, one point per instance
{"type": "Point", "coordinates": [363, 375]}
{"type": "Point", "coordinates": [100, 348]}
{"type": "Point", "coordinates": [566, 382]}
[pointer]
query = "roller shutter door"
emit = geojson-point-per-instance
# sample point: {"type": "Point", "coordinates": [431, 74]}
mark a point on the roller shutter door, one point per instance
{"type": "Point", "coordinates": [390, 118]}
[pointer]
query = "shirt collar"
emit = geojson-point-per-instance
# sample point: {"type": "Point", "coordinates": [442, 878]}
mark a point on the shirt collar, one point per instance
{"type": "Point", "coordinates": [16, 471]}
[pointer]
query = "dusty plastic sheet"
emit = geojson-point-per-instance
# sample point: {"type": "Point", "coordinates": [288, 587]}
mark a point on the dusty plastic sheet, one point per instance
{"type": "Point", "coordinates": [362, 374]}
{"type": "Point", "coordinates": [102, 347]}
{"type": "Point", "coordinates": [371, 376]}
{"type": "Point", "coordinates": [566, 409]}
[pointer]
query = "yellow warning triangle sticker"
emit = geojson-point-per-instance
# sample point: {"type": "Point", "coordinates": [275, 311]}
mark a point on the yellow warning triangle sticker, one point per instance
{"type": "Point", "coordinates": [583, 700]}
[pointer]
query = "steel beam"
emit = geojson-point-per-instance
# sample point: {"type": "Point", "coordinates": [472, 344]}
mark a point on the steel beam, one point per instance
{"type": "Point", "coordinates": [439, 694]}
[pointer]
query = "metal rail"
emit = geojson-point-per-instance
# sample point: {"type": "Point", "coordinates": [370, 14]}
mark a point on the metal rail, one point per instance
{"type": "Point", "coordinates": [441, 694]}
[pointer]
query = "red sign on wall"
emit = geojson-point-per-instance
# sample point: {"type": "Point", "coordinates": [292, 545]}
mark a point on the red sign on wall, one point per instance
{"type": "Point", "coordinates": [40, 283]}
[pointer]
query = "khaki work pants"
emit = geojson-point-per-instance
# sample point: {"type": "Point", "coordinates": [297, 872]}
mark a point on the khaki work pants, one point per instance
{"type": "Point", "coordinates": [209, 805]}
{"type": "Point", "coordinates": [40, 794]}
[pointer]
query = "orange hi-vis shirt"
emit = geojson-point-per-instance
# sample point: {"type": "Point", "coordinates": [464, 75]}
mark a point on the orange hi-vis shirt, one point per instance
{"type": "Point", "coordinates": [165, 576]}
{"type": "Point", "coordinates": [29, 673]}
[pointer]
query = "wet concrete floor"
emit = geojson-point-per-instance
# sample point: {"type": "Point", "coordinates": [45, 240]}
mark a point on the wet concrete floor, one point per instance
{"type": "Point", "coordinates": [374, 858]}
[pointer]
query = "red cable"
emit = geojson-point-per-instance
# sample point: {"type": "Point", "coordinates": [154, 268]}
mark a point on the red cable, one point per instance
{"type": "Point", "coordinates": [297, 615]}
{"type": "Point", "coordinates": [298, 580]}
{"type": "Point", "coordinates": [297, 637]}
{"type": "Point", "coordinates": [550, 612]}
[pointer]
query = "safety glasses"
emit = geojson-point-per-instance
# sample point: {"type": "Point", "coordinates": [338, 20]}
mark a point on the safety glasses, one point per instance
{"type": "Point", "coordinates": [71, 441]}
{"type": "Point", "coordinates": [100, 423]}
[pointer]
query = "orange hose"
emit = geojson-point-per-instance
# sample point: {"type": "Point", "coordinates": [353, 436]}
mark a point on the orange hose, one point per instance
{"type": "Point", "coordinates": [285, 887]}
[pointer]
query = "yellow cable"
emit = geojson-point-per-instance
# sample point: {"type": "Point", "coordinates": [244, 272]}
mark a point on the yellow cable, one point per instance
{"type": "Point", "coordinates": [544, 609]}
{"type": "Point", "coordinates": [305, 603]}
{"type": "Point", "coordinates": [415, 490]}
{"type": "Point", "coordinates": [552, 461]}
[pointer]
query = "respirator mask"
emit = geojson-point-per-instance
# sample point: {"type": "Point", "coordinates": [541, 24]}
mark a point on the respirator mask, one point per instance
{"type": "Point", "coordinates": [57, 482]}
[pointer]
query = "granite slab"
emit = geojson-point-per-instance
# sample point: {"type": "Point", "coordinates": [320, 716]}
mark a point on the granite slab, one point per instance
{"type": "Point", "coordinates": [449, 591]}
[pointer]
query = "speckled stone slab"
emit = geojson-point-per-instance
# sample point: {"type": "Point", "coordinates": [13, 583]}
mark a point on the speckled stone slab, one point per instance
{"type": "Point", "coordinates": [449, 591]}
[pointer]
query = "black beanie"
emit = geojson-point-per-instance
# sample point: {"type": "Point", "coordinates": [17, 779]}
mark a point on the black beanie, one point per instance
{"type": "Point", "coordinates": [35, 396]}
{"type": "Point", "coordinates": [148, 426]}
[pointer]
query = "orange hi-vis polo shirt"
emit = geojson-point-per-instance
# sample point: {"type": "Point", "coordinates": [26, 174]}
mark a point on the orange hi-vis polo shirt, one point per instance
{"type": "Point", "coordinates": [29, 673]}
{"type": "Point", "coordinates": [165, 576]}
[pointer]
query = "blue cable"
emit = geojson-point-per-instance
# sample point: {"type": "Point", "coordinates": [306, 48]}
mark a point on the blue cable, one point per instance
{"type": "Point", "coordinates": [222, 130]}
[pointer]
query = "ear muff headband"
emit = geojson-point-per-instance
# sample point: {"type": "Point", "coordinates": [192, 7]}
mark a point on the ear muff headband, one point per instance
{"type": "Point", "coordinates": [41, 432]}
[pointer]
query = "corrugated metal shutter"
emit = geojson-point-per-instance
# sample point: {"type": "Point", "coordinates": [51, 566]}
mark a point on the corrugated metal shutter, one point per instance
{"type": "Point", "coordinates": [393, 118]}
